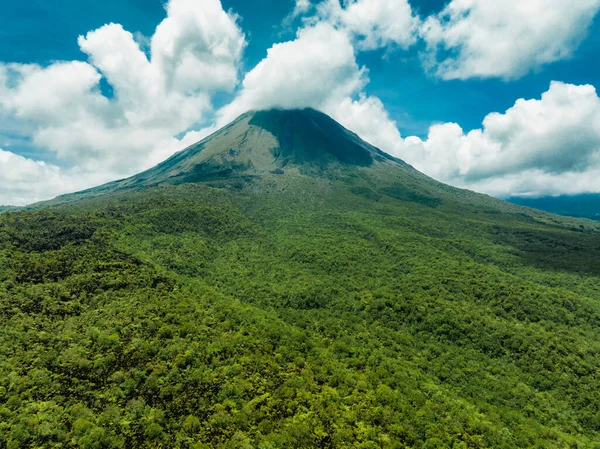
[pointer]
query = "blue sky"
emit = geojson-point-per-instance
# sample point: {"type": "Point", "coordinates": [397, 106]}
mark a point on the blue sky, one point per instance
{"type": "Point", "coordinates": [421, 94]}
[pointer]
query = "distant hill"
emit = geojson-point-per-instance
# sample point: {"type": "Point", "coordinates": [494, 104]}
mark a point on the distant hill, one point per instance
{"type": "Point", "coordinates": [582, 206]}
{"type": "Point", "coordinates": [284, 284]}
{"type": "Point", "coordinates": [6, 208]}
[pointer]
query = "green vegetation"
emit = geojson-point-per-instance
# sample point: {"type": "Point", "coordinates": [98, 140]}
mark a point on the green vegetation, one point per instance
{"type": "Point", "coordinates": [364, 307]}
{"type": "Point", "coordinates": [199, 317]}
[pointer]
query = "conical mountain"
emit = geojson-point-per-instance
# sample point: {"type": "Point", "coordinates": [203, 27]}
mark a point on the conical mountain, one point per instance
{"type": "Point", "coordinates": [283, 284]}
{"type": "Point", "coordinates": [284, 147]}
{"type": "Point", "coordinates": [267, 142]}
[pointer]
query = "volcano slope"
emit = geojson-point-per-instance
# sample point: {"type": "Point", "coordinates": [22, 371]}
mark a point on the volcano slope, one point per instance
{"type": "Point", "coordinates": [284, 284]}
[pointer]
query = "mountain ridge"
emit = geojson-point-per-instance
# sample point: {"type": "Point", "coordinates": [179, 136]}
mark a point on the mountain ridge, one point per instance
{"type": "Point", "coordinates": [586, 205]}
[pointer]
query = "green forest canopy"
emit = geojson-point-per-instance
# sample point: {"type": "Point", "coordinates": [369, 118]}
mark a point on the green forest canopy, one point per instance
{"type": "Point", "coordinates": [204, 317]}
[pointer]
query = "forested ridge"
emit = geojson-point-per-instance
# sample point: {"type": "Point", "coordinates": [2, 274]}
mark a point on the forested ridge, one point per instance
{"type": "Point", "coordinates": [584, 205]}
{"type": "Point", "coordinates": [219, 317]}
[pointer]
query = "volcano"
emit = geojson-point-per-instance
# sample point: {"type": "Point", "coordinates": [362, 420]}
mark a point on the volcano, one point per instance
{"type": "Point", "coordinates": [283, 283]}
{"type": "Point", "coordinates": [287, 147]}
{"type": "Point", "coordinates": [267, 142]}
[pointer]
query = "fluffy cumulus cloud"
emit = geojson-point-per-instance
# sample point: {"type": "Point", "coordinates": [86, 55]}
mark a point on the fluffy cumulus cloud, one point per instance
{"type": "Point", "coordinates": [22, 179]}
{"type": "Point", "coordinates": [537, 147]}
{"type": "Point", "coordinates": [198, 46]}
{"type": "Point", "coordinates": [316, 67]}
{"type": "Point", "coordinates": [373, 23]}
{"type": "Point", "coordinates": [194, 52]}
{"type": "Point", "coordinates": [506, 39]}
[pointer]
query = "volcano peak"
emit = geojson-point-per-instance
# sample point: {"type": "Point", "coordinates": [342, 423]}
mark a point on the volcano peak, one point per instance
{"type": "Point", "coordinates": [309, 136]}
{"type": "Point", "coordinates": [266, 142]}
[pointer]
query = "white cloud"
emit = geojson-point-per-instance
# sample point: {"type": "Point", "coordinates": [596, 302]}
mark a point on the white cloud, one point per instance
{"type": "Point", "coordinates": [198, 46]}
{"type": "Point", "coordinates": [505, 39]}
{"type": "Point", "coordinates": [23, 180]}
{"type": "Point", "coordinates": [301, 7]}
{"type": "Point", "coordinates": [310, 71]}
{"type": "Point", "coordinates": [195, 51]}
{"type": "Point", "coordinates": [60, 93]}
{"type": "Point", "coordinates": [537, 147]}
{"type": "Point", "coordinates": [536, 183]}
{"type": "Point", "coordinates": [373, 23]}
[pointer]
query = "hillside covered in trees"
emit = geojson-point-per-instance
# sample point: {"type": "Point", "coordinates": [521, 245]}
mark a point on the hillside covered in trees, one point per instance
{"type": "Point", "coordinates": [271, 296]}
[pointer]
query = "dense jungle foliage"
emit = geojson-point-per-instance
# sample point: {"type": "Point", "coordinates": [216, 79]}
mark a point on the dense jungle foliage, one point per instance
{"type": "Point", "coordinates": [204, 317]}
